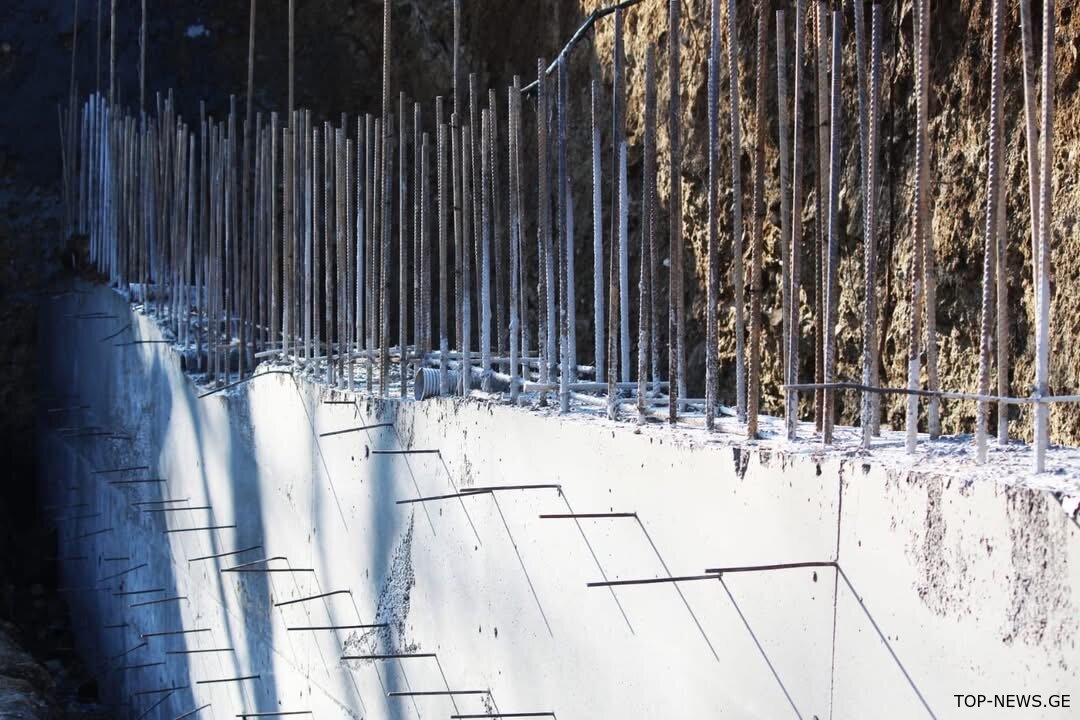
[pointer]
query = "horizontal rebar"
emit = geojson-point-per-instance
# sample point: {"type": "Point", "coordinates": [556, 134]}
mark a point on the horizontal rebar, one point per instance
{"type": "Point", "coordinates": [337, 627]}
{"type": "Point", "coordinates": [355, 429]}
{"type": "Point", "coordinates": [312, 597]}
{"type": "Point", "coordinates": [227, 553]}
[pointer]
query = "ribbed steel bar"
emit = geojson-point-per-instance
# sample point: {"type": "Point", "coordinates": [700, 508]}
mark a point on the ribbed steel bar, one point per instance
{"type": "Point", "coordinates": [712, 263]}
{"type": "Point", "coordinates": [993, 196]}
{"type": "Point", "coordinates": [794, 253]}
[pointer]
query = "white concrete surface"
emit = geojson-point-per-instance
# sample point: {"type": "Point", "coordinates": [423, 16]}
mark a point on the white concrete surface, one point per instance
{"type": "Point", "coordinates": [974, 585]}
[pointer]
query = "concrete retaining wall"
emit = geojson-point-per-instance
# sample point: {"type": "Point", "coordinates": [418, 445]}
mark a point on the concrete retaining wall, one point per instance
{"type": "Point", "coordinates": [946, 587]}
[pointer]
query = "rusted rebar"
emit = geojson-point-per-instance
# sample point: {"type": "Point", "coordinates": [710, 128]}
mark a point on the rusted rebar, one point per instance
{"type": "Point", "coordinates": [794, 253]}
{"type": "Point", "coordinates": [990, 236]}
{"type": "Point", "coordinates": [711, 260]}
{"type": "Point", "coordinates": [757, 230]}
{"type": "Point", "coordinates": [1046, 218]}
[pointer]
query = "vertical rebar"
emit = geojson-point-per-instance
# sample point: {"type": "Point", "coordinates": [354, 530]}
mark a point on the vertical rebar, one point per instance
{"type": "Point", "coordinates": [821, 48]}
{"type": "Point", "coordinates": [832, 298]}
{"type": "Point", "coordinates": [374, 247]}
{"type": "Point", "coordinates": [514, 119]}
{"type": "Point", "coordinates": [275, 241]}
{"type": "Point", "coordinates": [919, 233]}
{"type": "Point", "coordinates": [792, 374]}
{"type": "Point", "coordinates": [97, 71]}
{"type": "Point", "coordinates": [676, 362]}
{"type": "Point", "coordinates": [441, 209]}
{"type": "Point", "coordinates": [341, 276]}
{"type": "Point", "coordinates": [418, 312]}
{"type": "Point", "coordinates": [870, 359]}
{"type": "Point", "coordinates": [485, 252]}
{"type": "Point", "coordinates": [784, 145]}
{"type": "Point", "coordinates": [757, 230]}
{"type": "Point", "coordinates": [288, 234]}
{"type": "Point", "coordinates": [142, 60]}
{"type": "Point", "coordinates": [1046, 217]}
{"type": "Point", "coordinates": [425, 247]}
{"type": "Point", "coordinates": [455, 208]}
{"type": "Point", "coordinates": [351, 255]}
{"type": "Point", "coordinates": [545, 299]}
{"type": "Point", "coordinates": [711, 259]}
{"type": "Point", "coordinates": [929, 253]}
{"type": "Point", "coordinates": [990, 237]}
{"type": "Point", "coordinates": [1031, 137]}
{"type": "Point", "coordinates": [112, 54]}
{"type": "Point", "coordinates": [403, 246]}
{"type": "Point", "coordinates": [466, 259]}
{"type": "Point", "coordinates": [385, 281]}
{"type": "Point", "coordinates": [646, 308]}
{"type": "Point", "coordinates": [598, 237]}
{"type": "Point", "coordinates": [497, 237]}
{"type": "Point", "coordinates": [329, 245]}
{"type": "Point", "coordinates": [566, 242]}
{"type": "Point", "coordinates": [738, 275]}
{"type": "Point", "coordinates": [292, 58]}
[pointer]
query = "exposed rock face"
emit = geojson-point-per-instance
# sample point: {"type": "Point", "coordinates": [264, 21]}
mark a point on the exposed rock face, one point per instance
{"type": "Point", "coordinates": [959, 101]}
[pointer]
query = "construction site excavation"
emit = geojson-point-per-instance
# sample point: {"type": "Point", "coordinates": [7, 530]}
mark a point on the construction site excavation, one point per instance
{"type": "Point", "coordinates": [565, 359]}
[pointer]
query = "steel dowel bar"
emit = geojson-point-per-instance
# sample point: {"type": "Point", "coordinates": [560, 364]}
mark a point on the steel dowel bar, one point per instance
{"type": "Point", "coordinates": [505, 715]}
{"type": "Point", "coordinates": [190, 713]}
{"type": "Point", "coordinates": [115, 626]}
{"type": "Point", "coordinates": [125, 593]}
{"type": "Point", "coordinates": [95, 532]}
{"type": "Point", "coordinates": [158, 601]}
{"type": "Point", "coordinates": [110, 337]}
{"type": "Point", "coordinates": [500, 488]}
{"type": "Point", "coordinates": [389, 656]}
{"type": "Point", "coordinates": [272, 570]}
{"type": "Point", "coordinates": [254, 562]}
{"type": "Point", "coordinates": [355, 429]}
{"type": "Point", "coordinates": [404, 452]}
{"type": "Point", "coordinates": [196, 529]}
{"type": "Point", "coordinates": [120, 470]}
{"type": "Point", "coordinates": [128, 651]}
{"type": "Point", "coordinates": [242, 678]}
{"type": "Point", "coordinates": [588, 516]}
{"type": "Point", "coordinates": [226, 554]}
{"type": "Point", "coordinates": [426, 693]}
{"type": "Point", "coordinates": [155, 706]}
{"type": "Point", "coordinates": [652, 581]}
{"type": "Point", "coordinates": [338, 627]}
{"type": "Point", "coordinates": [138, 482]}
{"type": "Point", "coordinates": [430, 498]}
{"type": "Point", "coordinates": [140, 666]}
{"type": "Point", "coordinates": [167, 633]}
{"type": "Point", "coordinates": [123, 572]}
{"type": "Point", "coordinates": [241, 382]}
{"type": "Point", "coordinates": [197, 652]}
{"type": "Point", "coordinates": [279, 713]}
{"type": "Point", "coordinates": [313, 597]}
{"type": "Point", "coordinates": [160, 690]}
{"type": "Point", "coordinates": [160, 502]}
{"type": "Point", "coordinates": [766, 568]}
{"type": "Point", "coordinates": [176, 509]}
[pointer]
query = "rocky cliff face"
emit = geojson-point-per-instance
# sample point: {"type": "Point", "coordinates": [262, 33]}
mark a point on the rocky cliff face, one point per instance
{"type": "Point", "coordinates": [959, 121]}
